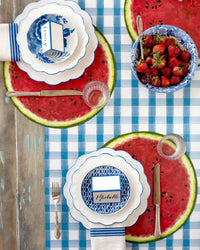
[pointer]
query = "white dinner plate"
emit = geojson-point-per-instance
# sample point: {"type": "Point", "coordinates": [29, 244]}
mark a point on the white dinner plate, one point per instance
{"type": "Point", "coordinates": [83, 62]}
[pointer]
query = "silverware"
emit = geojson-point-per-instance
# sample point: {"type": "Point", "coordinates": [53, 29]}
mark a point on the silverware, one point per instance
{"type": "Point", "coordinates": [140, 31]}
{"type": "Point", "coordinates": [157, 232]}
{"type": "Point", "coordinates": [56, 198]}
{"type": "Point", "coordinates": [44, 93]}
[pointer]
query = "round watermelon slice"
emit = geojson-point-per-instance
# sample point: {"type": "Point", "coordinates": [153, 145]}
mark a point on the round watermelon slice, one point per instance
{"type": "Point", "coordinates": [61, 111]}
{"type": "Point", "coordinates": [178, 185]}
{"type": "Point", "coordinates": [182, 14]}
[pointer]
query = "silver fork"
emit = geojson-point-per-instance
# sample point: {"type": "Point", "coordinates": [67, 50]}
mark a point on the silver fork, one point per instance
{"type": "Point", "coordinates": [56, 198]}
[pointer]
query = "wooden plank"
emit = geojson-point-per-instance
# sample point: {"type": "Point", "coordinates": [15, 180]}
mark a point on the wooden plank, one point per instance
{"type": "Point", "coordinates": [8, 211]}
{"type": "Point", "coordinates": [30, 167]}
{"type": "Point", "coordinates": [22, 217]}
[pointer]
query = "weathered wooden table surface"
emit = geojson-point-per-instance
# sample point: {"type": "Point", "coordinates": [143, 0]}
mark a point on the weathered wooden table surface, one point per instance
{"type": "Point", "coordinates": [21, 166]}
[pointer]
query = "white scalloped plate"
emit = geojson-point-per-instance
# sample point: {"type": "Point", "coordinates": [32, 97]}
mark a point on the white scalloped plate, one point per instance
{"type": "Point", "coordinates": [128, 219]}
{"type": "Point", "coordinates": [83, 63]}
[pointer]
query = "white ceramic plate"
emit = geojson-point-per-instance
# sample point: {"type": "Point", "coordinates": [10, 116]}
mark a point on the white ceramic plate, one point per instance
{"type": "Point", "coordinates": [106, 159]}
{"type": "Point", "coordinates": [83, 62]}
{"type": "Point", "coordinates": [132, 218]}
{"type": "Point", "coordinates": [29, 38]}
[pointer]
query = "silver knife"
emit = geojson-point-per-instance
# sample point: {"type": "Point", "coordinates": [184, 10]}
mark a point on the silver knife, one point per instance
{"type": "Point", "coordinates": [157, 232]}
{"type": "Point", "coordinates": [44, 93]}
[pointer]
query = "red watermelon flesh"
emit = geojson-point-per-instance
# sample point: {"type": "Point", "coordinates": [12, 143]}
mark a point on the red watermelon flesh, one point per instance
{"type": "Point", "coordinates": [176, 186]}
{"type": "Point", "coordinates": [60, 108]}
{"type": "Point", "coordinates": [182, 14]}
{"type": "Point", "coordinates": [62, 111]}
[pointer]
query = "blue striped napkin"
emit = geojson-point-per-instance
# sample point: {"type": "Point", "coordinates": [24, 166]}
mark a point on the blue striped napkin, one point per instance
{"type": "Point", "coordinates": [9, 49]}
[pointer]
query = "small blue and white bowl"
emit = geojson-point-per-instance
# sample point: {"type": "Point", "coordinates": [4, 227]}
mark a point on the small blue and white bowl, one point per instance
{"type": "Point", "coordinates": [184, 39]}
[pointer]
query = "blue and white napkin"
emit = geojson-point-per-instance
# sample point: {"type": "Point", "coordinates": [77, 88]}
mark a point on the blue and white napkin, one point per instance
{"type": "Point", "coordinates": [112, 238]}
{"type": "Point", "coordinates": [9, 49]}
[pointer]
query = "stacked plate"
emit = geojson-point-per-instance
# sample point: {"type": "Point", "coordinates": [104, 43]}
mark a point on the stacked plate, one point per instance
{"type": "Point", "coordinates": [135, 189]}
{"type": "Point", "coordinates": [79, 38]}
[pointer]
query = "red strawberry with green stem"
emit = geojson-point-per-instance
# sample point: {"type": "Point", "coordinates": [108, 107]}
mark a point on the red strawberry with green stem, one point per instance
{"type": "Point", "coordinates": [155, 81]}
{"type": "Point", "coordinates": [159, 48]}
{"type": "Point", "coordinates": [158, 61]}
{"type": "Point", "coordinates": [142, 66]}
{"type": "Point", "coordinates": [177, 71]}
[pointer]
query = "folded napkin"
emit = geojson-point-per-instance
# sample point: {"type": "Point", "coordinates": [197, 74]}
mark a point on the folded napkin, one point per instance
{"type": "Point", "coordinates": [112, 238]}
{"type": "Point", "coordinates": [9, 49]}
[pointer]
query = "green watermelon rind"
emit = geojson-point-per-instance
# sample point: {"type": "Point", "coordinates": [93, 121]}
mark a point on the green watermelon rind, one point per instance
{"type": "Point", "coordinates": [78, 121]}
{"type": "Point", "coordinates": [191, 170]}
{"type": "Point", "coordinates": [128, 20]}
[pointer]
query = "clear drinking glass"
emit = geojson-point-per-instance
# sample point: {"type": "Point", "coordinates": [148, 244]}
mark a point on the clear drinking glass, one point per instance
{"type": "Point", "coordinates": [96, 94]}
{"type": "Point", "coordinates": [180, 147]}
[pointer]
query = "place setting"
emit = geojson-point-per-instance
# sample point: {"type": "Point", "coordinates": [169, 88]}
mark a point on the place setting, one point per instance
{"type": "Point", "coordinates": [55, 50]}
{"type": "Point", "coordinates": [122, 191]}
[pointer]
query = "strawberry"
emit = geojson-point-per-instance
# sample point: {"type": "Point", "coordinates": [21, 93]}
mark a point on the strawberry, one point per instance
{"type": "Point", "coordinates": [175, 80]}
{"type": "Point", "coordinates": [154, 71]}
{"type": "Point", "coordinates": [184, 70]}
{"type": "Point", "coordinates": [173, 62]}
{"type": "Point", "coordinates": [148, 59]}
{"type": "Point", "coordinates": [146, 51]}
{"type": "Point", "coordinates": [148, 41]}
{"type": "Point", "coordinates": [165, 81]}
{"type": "Point", "coordinates": [159, 39]}
{"type": "Point", "coordinates": [155, 81]}
{"type": "Point", "coordinates": [177, 71]}
{"type": "Point", "coordinates": [169, 41]}
{"type": "Point", "coordinates": [173, 51]}
{"type": "Point", "coordinates": [160, 48]}
{"type": "Point", "coordinates": [185, 56]}
{"type": "Point", "coordinates": [166, 71]}
{"type": "Point", "coordinates": [142, 66]}
{"type": "Point", "coordinates": [158, 61]}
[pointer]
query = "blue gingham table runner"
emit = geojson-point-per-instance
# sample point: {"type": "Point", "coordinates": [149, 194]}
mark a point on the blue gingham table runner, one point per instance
{"type": "Point", "coordinates": [131, 108]}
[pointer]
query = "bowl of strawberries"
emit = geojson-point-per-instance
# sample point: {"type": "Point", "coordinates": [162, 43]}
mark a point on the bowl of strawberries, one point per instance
{"type": "Point", "coordinates": [170, 59]}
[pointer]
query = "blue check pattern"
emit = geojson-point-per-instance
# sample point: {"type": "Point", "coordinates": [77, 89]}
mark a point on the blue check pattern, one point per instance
{"type": "Point", "coordinates": [131, 108]}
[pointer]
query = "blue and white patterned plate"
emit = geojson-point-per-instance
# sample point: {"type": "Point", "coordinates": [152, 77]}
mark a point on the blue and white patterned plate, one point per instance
{"type": "Point", "coordinates": [130, 171]}
{"type": "Point", "coordinates": [29, 37]}
{"type": "Point", "coordinates": [185, 40]}
{"type": "Point", "coordinates": [105, 208]}
{"type": "Point", "coordinates": [34, 39]}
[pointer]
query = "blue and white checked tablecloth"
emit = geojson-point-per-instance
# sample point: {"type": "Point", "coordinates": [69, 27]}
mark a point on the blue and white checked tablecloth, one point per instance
{"type": "Point", "coordinates": [131, 108]}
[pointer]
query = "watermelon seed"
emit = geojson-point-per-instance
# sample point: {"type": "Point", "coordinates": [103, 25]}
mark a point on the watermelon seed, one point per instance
{"type": "Point", "coordinates": [75, 103]}
{"type": "Point", "coordinates": [171, 196]}
{"type": "Point", "coordinates": [156, 159]}
{"type": "Point", "coordinates": [133, 156]}
{"type": "Point", "coordinates": [28, 78]}
{"type": "Point", "coordinates": [152, 168]}
{"type": "Point", "coordinates": [151, 220]}
{"type": "Point", "coordinates": [102, 76]}
{"type": "Point", "coordinates": [103, 61]}
{"type": "Point", "coordinates": [186, 185]}
{"type": "Point", "coordinates": [90, 75]}
{"type": "Point", "coordinates": [171, 215]}
{"type": "Point", "coordinates": [162, 172]}
{"type": "Point", "coordinates": [39, 110]}
{"type": "Point", "coordinates": [50, 102]}
{"type": "Point", "coordinates": [160, 160]}
{"type": "Point", "coordinates": [154, 146]}
{"type": "Point", "coordinates": [170, 201]}
{"type": "Point", "coordinates": [129, 145]}
{"type": "Point", "coordinates": [16, 77]}
{"type": "Point", "coordinates": [72, 99]}
{"type": "Point", "coordinates": [182, 199]}
{"type": "Point", "coordinates": [149, 217]}
{"type": "Point", "coordinates": [148, 210]}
